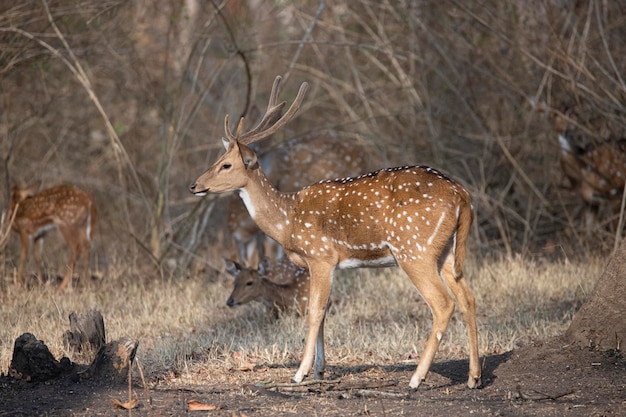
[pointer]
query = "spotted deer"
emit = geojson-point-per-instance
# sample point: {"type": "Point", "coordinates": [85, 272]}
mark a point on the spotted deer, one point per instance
{"type": "Point", "coordinates": [595, 171]}
{"type": "Point", "coordinates": [598, 170]}
{"type": "Point", "coordinates": [280, 285]}
{"type": "Point", "coordinates": [411, 216]}
{"type": "Point", "coordinates": [65, 207]}
{"type": "Point", "coordinates": [291, 166]}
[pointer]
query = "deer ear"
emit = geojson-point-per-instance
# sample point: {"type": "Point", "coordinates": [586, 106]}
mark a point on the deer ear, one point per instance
{"type": "Point", "coordinates": [264, 266]}
{"type": "Point", "coordinates": [248, 156]}
{"type": "Point", "coordinates": [232, 267]}
{"type": "Point", "coordinates": [34, 188]}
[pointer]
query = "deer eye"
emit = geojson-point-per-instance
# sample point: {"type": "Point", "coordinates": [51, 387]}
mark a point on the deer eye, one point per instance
{"type": "Point", "coordinates": [249, 283]}
{"type": "Point", "coordinates": [226, 166]}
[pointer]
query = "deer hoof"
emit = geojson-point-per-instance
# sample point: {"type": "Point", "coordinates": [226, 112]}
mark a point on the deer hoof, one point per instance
{"type": "Point", "coordinates": [416, 381]}
{"type": "Point", "coordinates": [473, 382]}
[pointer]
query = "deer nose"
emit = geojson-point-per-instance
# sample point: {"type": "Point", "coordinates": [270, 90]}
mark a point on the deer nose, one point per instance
{"type": "Point", "coordinates": [230, 302]}
{"type": "Point", "coordinates": [193, 186]}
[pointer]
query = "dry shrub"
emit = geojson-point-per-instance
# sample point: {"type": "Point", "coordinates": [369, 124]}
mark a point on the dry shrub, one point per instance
{"type": "Point", "coordinates": [441, 83]}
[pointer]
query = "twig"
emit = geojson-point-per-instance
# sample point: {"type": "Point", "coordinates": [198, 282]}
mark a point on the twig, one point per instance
{"type": "Point", "coordinates": [130, 385]}
{"type": "Point", "coordinates": [371, 393]}
{"type": "Point", "coordinates": [539, 396]}
{"type": "Point", "coordinates": [271, 385]}
{"type": "Point", "coordinates": [620, 223]}
{"type": "Point", "coordinates": [240, 53]}
{"type": "Point", "coordinates": [304, 40]}
{"type": "Point", "coordinates": [261, 390]}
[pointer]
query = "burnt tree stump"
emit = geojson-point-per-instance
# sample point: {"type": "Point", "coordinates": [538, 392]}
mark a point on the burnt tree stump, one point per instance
{"type": "Point", "coordinates": [86, 332]}
{"type": "Point", "coordinates": [32, 361]}
{"type": "Point", "coordinates": [113, 361]}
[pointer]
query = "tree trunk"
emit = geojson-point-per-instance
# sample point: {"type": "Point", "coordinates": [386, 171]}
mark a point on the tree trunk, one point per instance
{"type": "Point", "coordinates": [601, 321]}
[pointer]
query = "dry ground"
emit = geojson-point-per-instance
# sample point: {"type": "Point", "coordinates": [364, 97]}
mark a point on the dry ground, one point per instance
{"type": "Point", "coordinates": [543, 380]}
{"type": "Point", "coordinates": [192, 347]}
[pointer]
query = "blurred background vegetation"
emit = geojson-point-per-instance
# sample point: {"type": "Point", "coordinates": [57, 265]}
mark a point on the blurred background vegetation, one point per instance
{"type": "Point", "coordinates": [127, 99]}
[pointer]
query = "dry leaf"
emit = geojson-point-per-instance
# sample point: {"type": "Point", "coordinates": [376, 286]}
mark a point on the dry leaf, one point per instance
{"type": "Point", "coordinates": [128, 405]}
{"type": "Point", "coordinates": [194, 405]}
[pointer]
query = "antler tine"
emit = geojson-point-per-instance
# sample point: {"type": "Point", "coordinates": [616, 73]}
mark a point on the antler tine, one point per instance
{"type": "Point", "coordinates": [229, 134]}
{"type": "Point", "coordinates": [258, 133]}
{"type": "Point", "coordinates": [240, 127]}
{"type": "Point", "coordinates": [274, 93]}
{"type": "Point", "coordinates": [272, 111]}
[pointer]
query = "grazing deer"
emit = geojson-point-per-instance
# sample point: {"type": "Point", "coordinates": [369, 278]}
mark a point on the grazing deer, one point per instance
{"type": "Point", "coordinates": [65, 207]}
{"type": "Point", "coordinates": [279, 285]}
{"type": "Point", "coordinates": [411, 216]}
{"type": "Point", "coordinates": [596, 171]}
{"type": "Point", "coordinates": [292, 165]}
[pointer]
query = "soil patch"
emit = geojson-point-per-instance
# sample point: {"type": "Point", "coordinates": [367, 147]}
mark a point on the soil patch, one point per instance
{"type": "Point", "coordinates": [544, 379]}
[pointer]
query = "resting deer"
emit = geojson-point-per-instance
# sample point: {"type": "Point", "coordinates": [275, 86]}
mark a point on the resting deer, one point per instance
{"type": "Point", "coordinates": [65, 207]}
{"type": "Point", "coordinates": [291, 166]}
{"type": "Point", "coordinates": [411, 216]}
{"type": "Point", "coordinates": [280, 285]}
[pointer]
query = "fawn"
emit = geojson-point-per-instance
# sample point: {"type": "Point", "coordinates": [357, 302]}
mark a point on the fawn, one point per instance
{"type": "Point", "coordinates": [280, 285]}
{"type": "Point", "coordinates": [66, 207]}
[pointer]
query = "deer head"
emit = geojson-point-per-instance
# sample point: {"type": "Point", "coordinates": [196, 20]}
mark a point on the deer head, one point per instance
{"type": "Point", "coordinates": [231, 171]}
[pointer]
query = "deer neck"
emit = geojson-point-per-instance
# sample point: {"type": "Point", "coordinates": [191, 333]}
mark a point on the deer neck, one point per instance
{"type": "Point", "coordinates": [268, 207]}
{"type": "Point", "coordinates": [276, 293]}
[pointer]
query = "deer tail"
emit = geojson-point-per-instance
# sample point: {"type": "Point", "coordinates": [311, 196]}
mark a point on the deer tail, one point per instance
{"type": "Point", "coordinates": [464, 223]}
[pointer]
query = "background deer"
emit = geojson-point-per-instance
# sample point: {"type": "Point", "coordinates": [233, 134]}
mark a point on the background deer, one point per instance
{"type": "Point", "coordinates": [280, 285]}
{"type": "Point", "coordinates": [597, 170]}
{"type": "Point", "coordinates": [66, 207]}
{"type": "Point", "coordinates": [412, 216]}
{"type": "Point", "coordinates": [290, 166]}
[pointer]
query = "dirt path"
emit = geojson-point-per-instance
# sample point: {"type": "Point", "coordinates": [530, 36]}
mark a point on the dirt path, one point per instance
{"type": "Point", "coordinates": [543, 380]}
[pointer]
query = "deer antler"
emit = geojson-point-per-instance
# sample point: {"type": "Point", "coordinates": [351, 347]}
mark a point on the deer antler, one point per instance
{"type": "Point", "coordinates": [265, 127]}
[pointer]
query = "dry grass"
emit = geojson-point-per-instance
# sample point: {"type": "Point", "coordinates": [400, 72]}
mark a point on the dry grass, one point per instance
{"type": "Point", "coordinates": [186, 331]}
{"type": "Point", "coordinates": [127, 99]}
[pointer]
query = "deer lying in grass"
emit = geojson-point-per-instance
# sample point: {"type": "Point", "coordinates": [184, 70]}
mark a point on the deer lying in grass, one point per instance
{"type": "Point", "coordinates": [280, 285]}
{"type": "Point", "coordinates": [66, 207]}
{"type": "Point", "coordinates": [411, 216]}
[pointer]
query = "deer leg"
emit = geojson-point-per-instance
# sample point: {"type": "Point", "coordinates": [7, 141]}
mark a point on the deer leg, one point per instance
{"type": "Point", "coordinates": [320, 360]}
{"type": "Point", "coordinates": [259, 242]}
{"type": "Point", "coordinates": [467, 305]}
{"type": "Point", "coordinates": [37, 254]}
{"type": "Point", "coordinates": [24, 248]}
{"type": "Point", "coordinates": [83, 254]}
{"type": "Point", "coordinates": [319, 292]}
{"type": "Point", "coordinates": [433, 291]}
{"type": "Point", "coordinates": [74, 245]}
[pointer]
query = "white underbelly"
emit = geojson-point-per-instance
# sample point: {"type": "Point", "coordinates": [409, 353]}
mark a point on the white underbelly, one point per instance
{"type": "Point", "coordinates": [368, 263]}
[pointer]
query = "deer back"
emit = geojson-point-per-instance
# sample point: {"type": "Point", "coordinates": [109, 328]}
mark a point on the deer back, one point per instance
{"type": "Point", "coordinates": [412, 212]}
